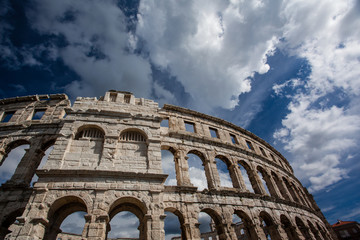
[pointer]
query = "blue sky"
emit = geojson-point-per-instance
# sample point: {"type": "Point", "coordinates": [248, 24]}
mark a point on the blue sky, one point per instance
{"type": "Point", "coordinates": [287, 71]}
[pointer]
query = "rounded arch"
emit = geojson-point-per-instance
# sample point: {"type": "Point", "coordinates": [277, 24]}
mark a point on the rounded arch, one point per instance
{"type": "Point", "coordinates": [219, 226]}
{"type": "Point", "coordinates": [249, 226]}
{"type": "Point", "coordinates": [225, 171]}
{"type": "Point", "coordinates": [314, 231]}
{"type": "Point", "coordinates": [46, 144]}
{"type": "Point", "coordinates": [180, 216]}
{"type": "Point", "coordinates": [303, 228]}
{"type": "Point", "coordinates": [197, 153]}
{"type": "Point", "coordinates": [12, 145]}
{"type": "Point", "coordinates": [133, 134]}
{"type": "Point", "coordinates": [245, 165]}
{"type": "Point", "coordinates": [89, 130]}
{"type": "Point", "coordinates": [169, 148]}
{"type": "Point", "coordinates": [269, 226]}
{"type": "Point", "coordinates": [130, 204]}
{"type": "Point", "coordinates": [248, 176]}
{"type": "Point", "coordinates": [134, 206]}
{"type": "Point", "coordinates": [59, 210]}
{"type": "Point", "coordinates": [225, 159]}
{"type": "Point", "coordinates": [288, 227]}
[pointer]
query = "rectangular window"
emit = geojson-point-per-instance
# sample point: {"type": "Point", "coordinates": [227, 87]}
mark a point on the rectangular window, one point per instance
{"type": "Point", "coordinates": [113, 97]}
{"type": "Point", "coordinates": [190, 127]}
{"type": "Point", "coordinates": [273, 158]}
{"type": "Point", "coordinates": [233, 139]}
{"type": "Point", "coordinates": [164, 123]}
{"type": "Point", "coordinates": [214, 133]}
{"type": "Point", "coordinates": [7, 116]}
{"type": "Point", "coordinates": [38, 114]}
{"type": "Point", "coordinates": [127, 98]}
{"type": "Point", "coordinates": [249, 145]}
{"type": "Point", "coordinates": [262, 151]}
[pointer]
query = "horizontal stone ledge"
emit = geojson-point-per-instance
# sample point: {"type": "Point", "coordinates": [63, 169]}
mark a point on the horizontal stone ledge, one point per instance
{"type": "Point", "coordinates": [88, 173]}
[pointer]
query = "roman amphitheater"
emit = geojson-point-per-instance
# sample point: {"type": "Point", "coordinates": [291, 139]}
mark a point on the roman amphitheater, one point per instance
{"type": "Point", "coordinates": [106, 159]}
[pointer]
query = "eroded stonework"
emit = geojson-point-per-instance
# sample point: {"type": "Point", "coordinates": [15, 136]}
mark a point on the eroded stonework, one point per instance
{"type": "Point", "coordinates": [106, 158]}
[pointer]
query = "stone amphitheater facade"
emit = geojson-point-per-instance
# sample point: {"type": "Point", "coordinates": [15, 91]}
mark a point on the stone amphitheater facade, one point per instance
{"type": "Point", "coordinates": [106, 158]}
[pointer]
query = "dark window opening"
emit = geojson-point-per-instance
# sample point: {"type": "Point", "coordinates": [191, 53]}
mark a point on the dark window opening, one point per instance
{"type": "Point", "coordinates": [273, 158]}
{"type": "Point", "coordinates": [113, 97]}
{"type": "Point", "coordinates": [249, 145]}
{"type": "Point", "coordinates": [89, 133]}
{"type": "Point", "coordinates": [7, 116]}
{"type": "Point", "coordinates": [127, 98]}
{"type": "Point", "coordinates": [233, 139]}
{"type": "Point", "coordinates": [214, 133]}
{"type": "Point", "coordinates": [164, 123]}
{"type": "Point", "coordinates": [190, 127]}
{"type": "Point", "coordinates": [263, 152]}
{"type": "Point", "coordinates": [38, 114]}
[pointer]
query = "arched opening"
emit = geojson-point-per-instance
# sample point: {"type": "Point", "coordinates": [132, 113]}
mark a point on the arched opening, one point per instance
{"type": "Point", "coordinates": [288, 228]}
{"type": "Point", "coordinates": [244, 169]}
{"type": "Point", "coordinates": [280, 186]}
{"type": "Point", "coordinates": [290, 189]}
{"type": "Point", "coordinates": [174, 225]}
{"type": "Point", "coordinates": [210, 225]}
{"type": "Point", "coordinates": [314, 231]}
{"type": "Point", "coordinates": [124, 224]}
{"type": "Point", "coordinates": [244, 228]}
{"type": "Point", "coordinates": [59, 211]}
{"type": "Point", "coordinates": [72, 226]}
{"type": "Point", "coordinates": [197, 170]}
{"type": "Point", "coordinates": [303, 229]}
{"type": "Point", "coordinates": [268, 226]}
{"type": "Point", "coordinates": [322, 231]}
{"type": "Point", "coordinates": [47, 148]}
{"type": "Point", "coordinates": [14, 153]}
{"type": "Point", "coordinates": [127, 216]}
{"type": "Point", "coordinates": [8, 221]}
{"type": "Point", "coordinates": [168, 166]}
{"type": "Point", "coordinates": [263, 179]}
{"type": "Point", "coordinates": [222, 165]}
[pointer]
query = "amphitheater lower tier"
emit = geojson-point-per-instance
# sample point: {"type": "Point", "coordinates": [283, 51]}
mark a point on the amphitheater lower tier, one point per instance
{"type": "Point", "coordinates": [111, 155]}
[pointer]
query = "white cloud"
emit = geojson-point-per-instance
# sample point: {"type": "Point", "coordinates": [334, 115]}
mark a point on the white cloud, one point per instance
{"type": "Point", "coordinates": [99, 47]}
{"type": "Point", "coordinates": [208, 46]}
{"type": "Point", "coordinates": [168, 166]}
{"type": "Point", "coordinates": [318, 132]}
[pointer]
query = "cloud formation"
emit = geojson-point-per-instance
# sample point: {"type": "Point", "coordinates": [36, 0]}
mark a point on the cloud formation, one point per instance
{"type": "Point", "coordinates": [322, 127]}
{"type": "Point", "coordinates": [213, 49]}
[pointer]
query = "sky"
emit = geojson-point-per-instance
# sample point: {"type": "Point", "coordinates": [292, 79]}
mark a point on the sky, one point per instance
{"type": "Point", "coordinates": [287, 71]}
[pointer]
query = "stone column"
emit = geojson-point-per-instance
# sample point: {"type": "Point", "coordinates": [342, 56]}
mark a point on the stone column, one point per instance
{"type": "Point", "coordinates": [256, 182]}
{"type": "Point", "coordinates": [237, 178]}
{"type": "Point", "coordinates": [271, 185]}
{"type": "Point", "coordinates": [182, 169]}
{"type": "Point", "coordinates": [96, 227]}
{"type": "Point", "coordinates": [286, 190]}
{"type": "Point", "coordinates": [259, 231]}
{"type": "Point", "coordinates": [211, 173]}
{"type": "Point", "coordinates": [154, 227]}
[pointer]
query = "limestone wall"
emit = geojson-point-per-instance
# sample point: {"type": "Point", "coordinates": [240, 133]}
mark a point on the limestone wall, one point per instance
{"type": "Point", "coordinates": [106, 158]}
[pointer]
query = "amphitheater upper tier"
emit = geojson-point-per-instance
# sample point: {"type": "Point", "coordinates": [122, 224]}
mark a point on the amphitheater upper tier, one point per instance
{"type": "Point", "coordinates": [107, 158]}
